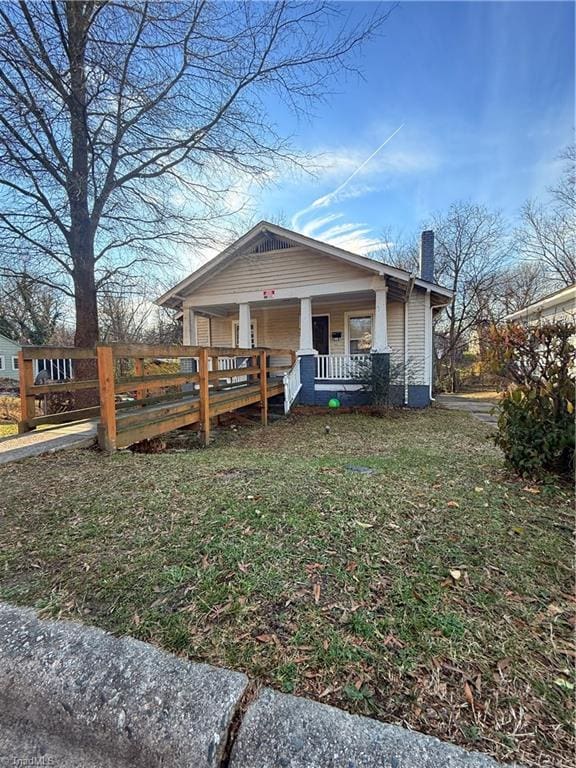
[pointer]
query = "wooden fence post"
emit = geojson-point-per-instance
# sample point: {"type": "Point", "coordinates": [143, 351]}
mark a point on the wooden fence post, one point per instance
{"type": "Point", "coordinates": [107, 426]}
{"type": "Point", "coordinates": [264, 388]}
{"type": "Point", "coordinates": [27, 401]}
{"type": "Point", "coordinates": [204, 392]}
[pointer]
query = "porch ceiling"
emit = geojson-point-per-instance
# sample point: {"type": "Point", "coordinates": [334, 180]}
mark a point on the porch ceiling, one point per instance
{"type": "Point", "coordinates": [335, 299]}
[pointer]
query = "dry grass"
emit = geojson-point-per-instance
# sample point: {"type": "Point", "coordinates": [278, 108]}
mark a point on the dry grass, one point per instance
{"type": "Point", "coordinates": [9, 408]}
{"type": "Point", "coordinates": [433, 591]}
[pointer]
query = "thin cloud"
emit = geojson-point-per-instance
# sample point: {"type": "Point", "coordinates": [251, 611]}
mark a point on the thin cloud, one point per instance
{"type": "Point", "coordinates": [331, 196]}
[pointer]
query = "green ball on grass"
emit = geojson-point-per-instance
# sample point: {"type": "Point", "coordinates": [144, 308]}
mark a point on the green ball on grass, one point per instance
{"type": "Point", "coordinates": [334, 403]}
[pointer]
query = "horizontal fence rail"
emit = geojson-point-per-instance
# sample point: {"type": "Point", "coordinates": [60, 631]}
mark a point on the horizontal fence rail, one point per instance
{"type": "Point", "coordinates": [341, 367]}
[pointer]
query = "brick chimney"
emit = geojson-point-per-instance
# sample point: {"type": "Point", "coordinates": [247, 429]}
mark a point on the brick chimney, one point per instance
{"type": "Point", "coordinates": [427, 255]}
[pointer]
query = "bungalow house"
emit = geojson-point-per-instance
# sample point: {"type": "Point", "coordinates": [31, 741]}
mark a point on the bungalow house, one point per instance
{"type": "Point", "coordinates": [277, 288]}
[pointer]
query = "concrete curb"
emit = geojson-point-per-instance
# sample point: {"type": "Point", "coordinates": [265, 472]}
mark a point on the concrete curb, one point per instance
{"type": "Point", "coordinates": [77, 697]}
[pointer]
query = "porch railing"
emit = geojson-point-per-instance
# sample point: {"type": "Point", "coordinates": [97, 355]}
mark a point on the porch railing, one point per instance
{"type": "Point", "coordinates": [340, 367]}
{"type": "Point", "coordinates": [292, 385]}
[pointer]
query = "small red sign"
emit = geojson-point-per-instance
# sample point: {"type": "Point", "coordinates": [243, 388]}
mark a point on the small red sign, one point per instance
{"type": "Point", "coordinates": [269, 293]}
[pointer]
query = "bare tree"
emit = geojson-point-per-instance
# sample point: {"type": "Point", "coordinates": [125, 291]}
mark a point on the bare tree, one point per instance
{"type": "Point", "coordinates": [124, 125]}
{"type": "Point", "coordinates": [398, 250]}
{"type": "Point", "coordinates": [29, 312]}
{"type": "Point", "coordinates": [547, 234]}
{"type": "Point", "coordinates": [470, 252]}
{"type": "Point", "coordinates": [520, 284]}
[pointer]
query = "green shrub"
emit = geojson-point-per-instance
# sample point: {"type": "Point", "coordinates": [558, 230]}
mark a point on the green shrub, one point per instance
{"type": "Point", "coordinates": [536, 418]}
{"type": "Point", "coordinates": [534, 433]}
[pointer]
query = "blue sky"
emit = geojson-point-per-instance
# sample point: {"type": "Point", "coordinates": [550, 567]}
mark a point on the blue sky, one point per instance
{"type": "Point", "coordinates": [485, 94]}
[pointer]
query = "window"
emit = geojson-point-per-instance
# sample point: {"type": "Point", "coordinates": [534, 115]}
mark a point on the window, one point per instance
{"type": "Point", "coordinates": [359, 334]}
{"type": "Point", "coordinates": [15, 363]}
{"type": "Point", "coordinates": [2, 366]}
{"type": "Point", "coordinates": [236, 337]}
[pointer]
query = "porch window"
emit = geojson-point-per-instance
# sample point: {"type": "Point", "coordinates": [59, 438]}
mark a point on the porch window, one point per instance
{"type": "Point", "coordinates": [236, 339]}
{"type": "Point", "coordinates": [359, 334]}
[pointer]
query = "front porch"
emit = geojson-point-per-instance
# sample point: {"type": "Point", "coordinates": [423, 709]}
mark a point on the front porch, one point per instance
{"type": "Point", "coordinates": [337, 337]}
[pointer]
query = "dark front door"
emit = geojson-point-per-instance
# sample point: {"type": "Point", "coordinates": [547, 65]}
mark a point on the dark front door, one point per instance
{"type": "Point", "coordinates": [320, 334]}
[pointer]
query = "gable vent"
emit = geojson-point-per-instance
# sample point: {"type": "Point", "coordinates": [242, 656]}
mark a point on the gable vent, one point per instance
{"type": "Point", "coordinates": [271, 243]}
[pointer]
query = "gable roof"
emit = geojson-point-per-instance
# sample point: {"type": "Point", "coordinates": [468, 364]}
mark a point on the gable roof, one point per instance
{"type": "Point", "coordinates": [9, 340]}
{"type": "Point", "coordinates": [284, 238]}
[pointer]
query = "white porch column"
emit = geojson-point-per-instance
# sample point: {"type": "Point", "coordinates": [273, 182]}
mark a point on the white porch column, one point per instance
{"type": "Point", "coordinates": [306, 337]}
{"type": "Point", "coordinates": [380, 330]}
{"type": "Point", "coordinates": [244, 327]}
{"type": "Point", "coordinates": [189, 332]}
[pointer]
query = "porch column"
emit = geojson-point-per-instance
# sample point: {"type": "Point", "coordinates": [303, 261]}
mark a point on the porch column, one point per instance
{"type": "Point", "coordinates": [306, 337]}
{"type": "Point", "coordinates": [244, 329]}
{"type": "Point", "coordinates": [189, 333]}
{"type": "Point", "coordinates": [380, 330]}
{"type": "Point", "coordinates": [190, 339]}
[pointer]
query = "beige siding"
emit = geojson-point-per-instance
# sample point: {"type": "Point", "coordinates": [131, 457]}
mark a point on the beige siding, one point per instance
{"type": "Point", "coordinates": [416, 324]}
{"type": "Point", "coordinates": [280, 326]}
{"type": "Point", "coordinates": [396, 333]}
{"type": "Point", "coordinates": [279, 269]}
{"type": "Point", "coordinates": [203, 331]}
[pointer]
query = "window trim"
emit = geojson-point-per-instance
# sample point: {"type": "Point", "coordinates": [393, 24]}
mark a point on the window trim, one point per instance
{"type": "Point", "coordinates": [2, 363]}
{"type": "Point", "coordinates": [347, 317]}
{"type": "Point", "coordinates": [15, 366]}
{"type": "Point", "coordinates": [254, 332]}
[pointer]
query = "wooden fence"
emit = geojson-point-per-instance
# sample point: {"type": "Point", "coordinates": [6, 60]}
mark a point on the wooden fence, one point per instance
{"type": "Point", "coordinates": [208, 382]}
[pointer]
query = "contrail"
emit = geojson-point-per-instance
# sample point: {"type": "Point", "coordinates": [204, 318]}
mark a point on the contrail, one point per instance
{"type": "Point", "coordinates": [326, 198]}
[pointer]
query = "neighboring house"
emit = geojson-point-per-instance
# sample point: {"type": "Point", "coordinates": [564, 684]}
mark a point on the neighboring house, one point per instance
{"type": "Point", "coordinates": [277, 288]}
{"type": "Point", "coordinates": [8, 358]}
{"type": "Point", "coordinates": [560, 305]}
{"type": "Point", "coordinates": [56, 370]}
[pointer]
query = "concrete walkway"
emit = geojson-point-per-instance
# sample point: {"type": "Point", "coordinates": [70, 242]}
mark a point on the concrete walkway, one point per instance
{"type": "Point", "coordinates": [480, 409]}
{"type": "Point", "coordinates": [77, 435]}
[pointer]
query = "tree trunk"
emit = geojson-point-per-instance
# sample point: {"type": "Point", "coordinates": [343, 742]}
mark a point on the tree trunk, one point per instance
{"type": "Point", "coordinates": [81, 239]}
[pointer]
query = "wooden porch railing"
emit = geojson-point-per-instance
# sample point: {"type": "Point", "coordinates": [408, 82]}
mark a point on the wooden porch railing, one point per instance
{"type": "Point", "coordinates": [218, 379]}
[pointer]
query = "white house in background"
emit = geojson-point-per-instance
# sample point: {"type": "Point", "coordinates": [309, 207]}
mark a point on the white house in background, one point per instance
{"type": "Point", "coordinates": [277, 288]}
{"type": "Point", "coordinates": [8, 358]}
{"type": "Point", "coordinates": [560, 305]}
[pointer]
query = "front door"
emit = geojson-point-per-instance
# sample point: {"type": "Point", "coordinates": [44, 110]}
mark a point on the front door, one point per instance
{"type": "Point", "coordinates": [320, 334]}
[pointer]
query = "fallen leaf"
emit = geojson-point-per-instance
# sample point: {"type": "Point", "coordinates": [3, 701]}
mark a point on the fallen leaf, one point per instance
{"type": "Point", "coordinates": [468, 695]}
{"type": "Point", "coordinates": [456, 574]}
{"type": "Point", "coordinates": [565, 684]}
{"type": "Point", "coordinates": [265, 638]}
{"type": "Point", "coordinates": [316, 592]}
{"type": "Point", "coordinates": [531, 489]}
{"type": "Point", "coordinates": [453, 504]}
{"type": "Point", "coordinates": [479, 489]}
{"type": "Point", "coordinates": [363, 525]}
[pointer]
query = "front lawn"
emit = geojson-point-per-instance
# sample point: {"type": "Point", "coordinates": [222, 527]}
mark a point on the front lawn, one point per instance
{"type": "Point", "coordinates": [391, 567]}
